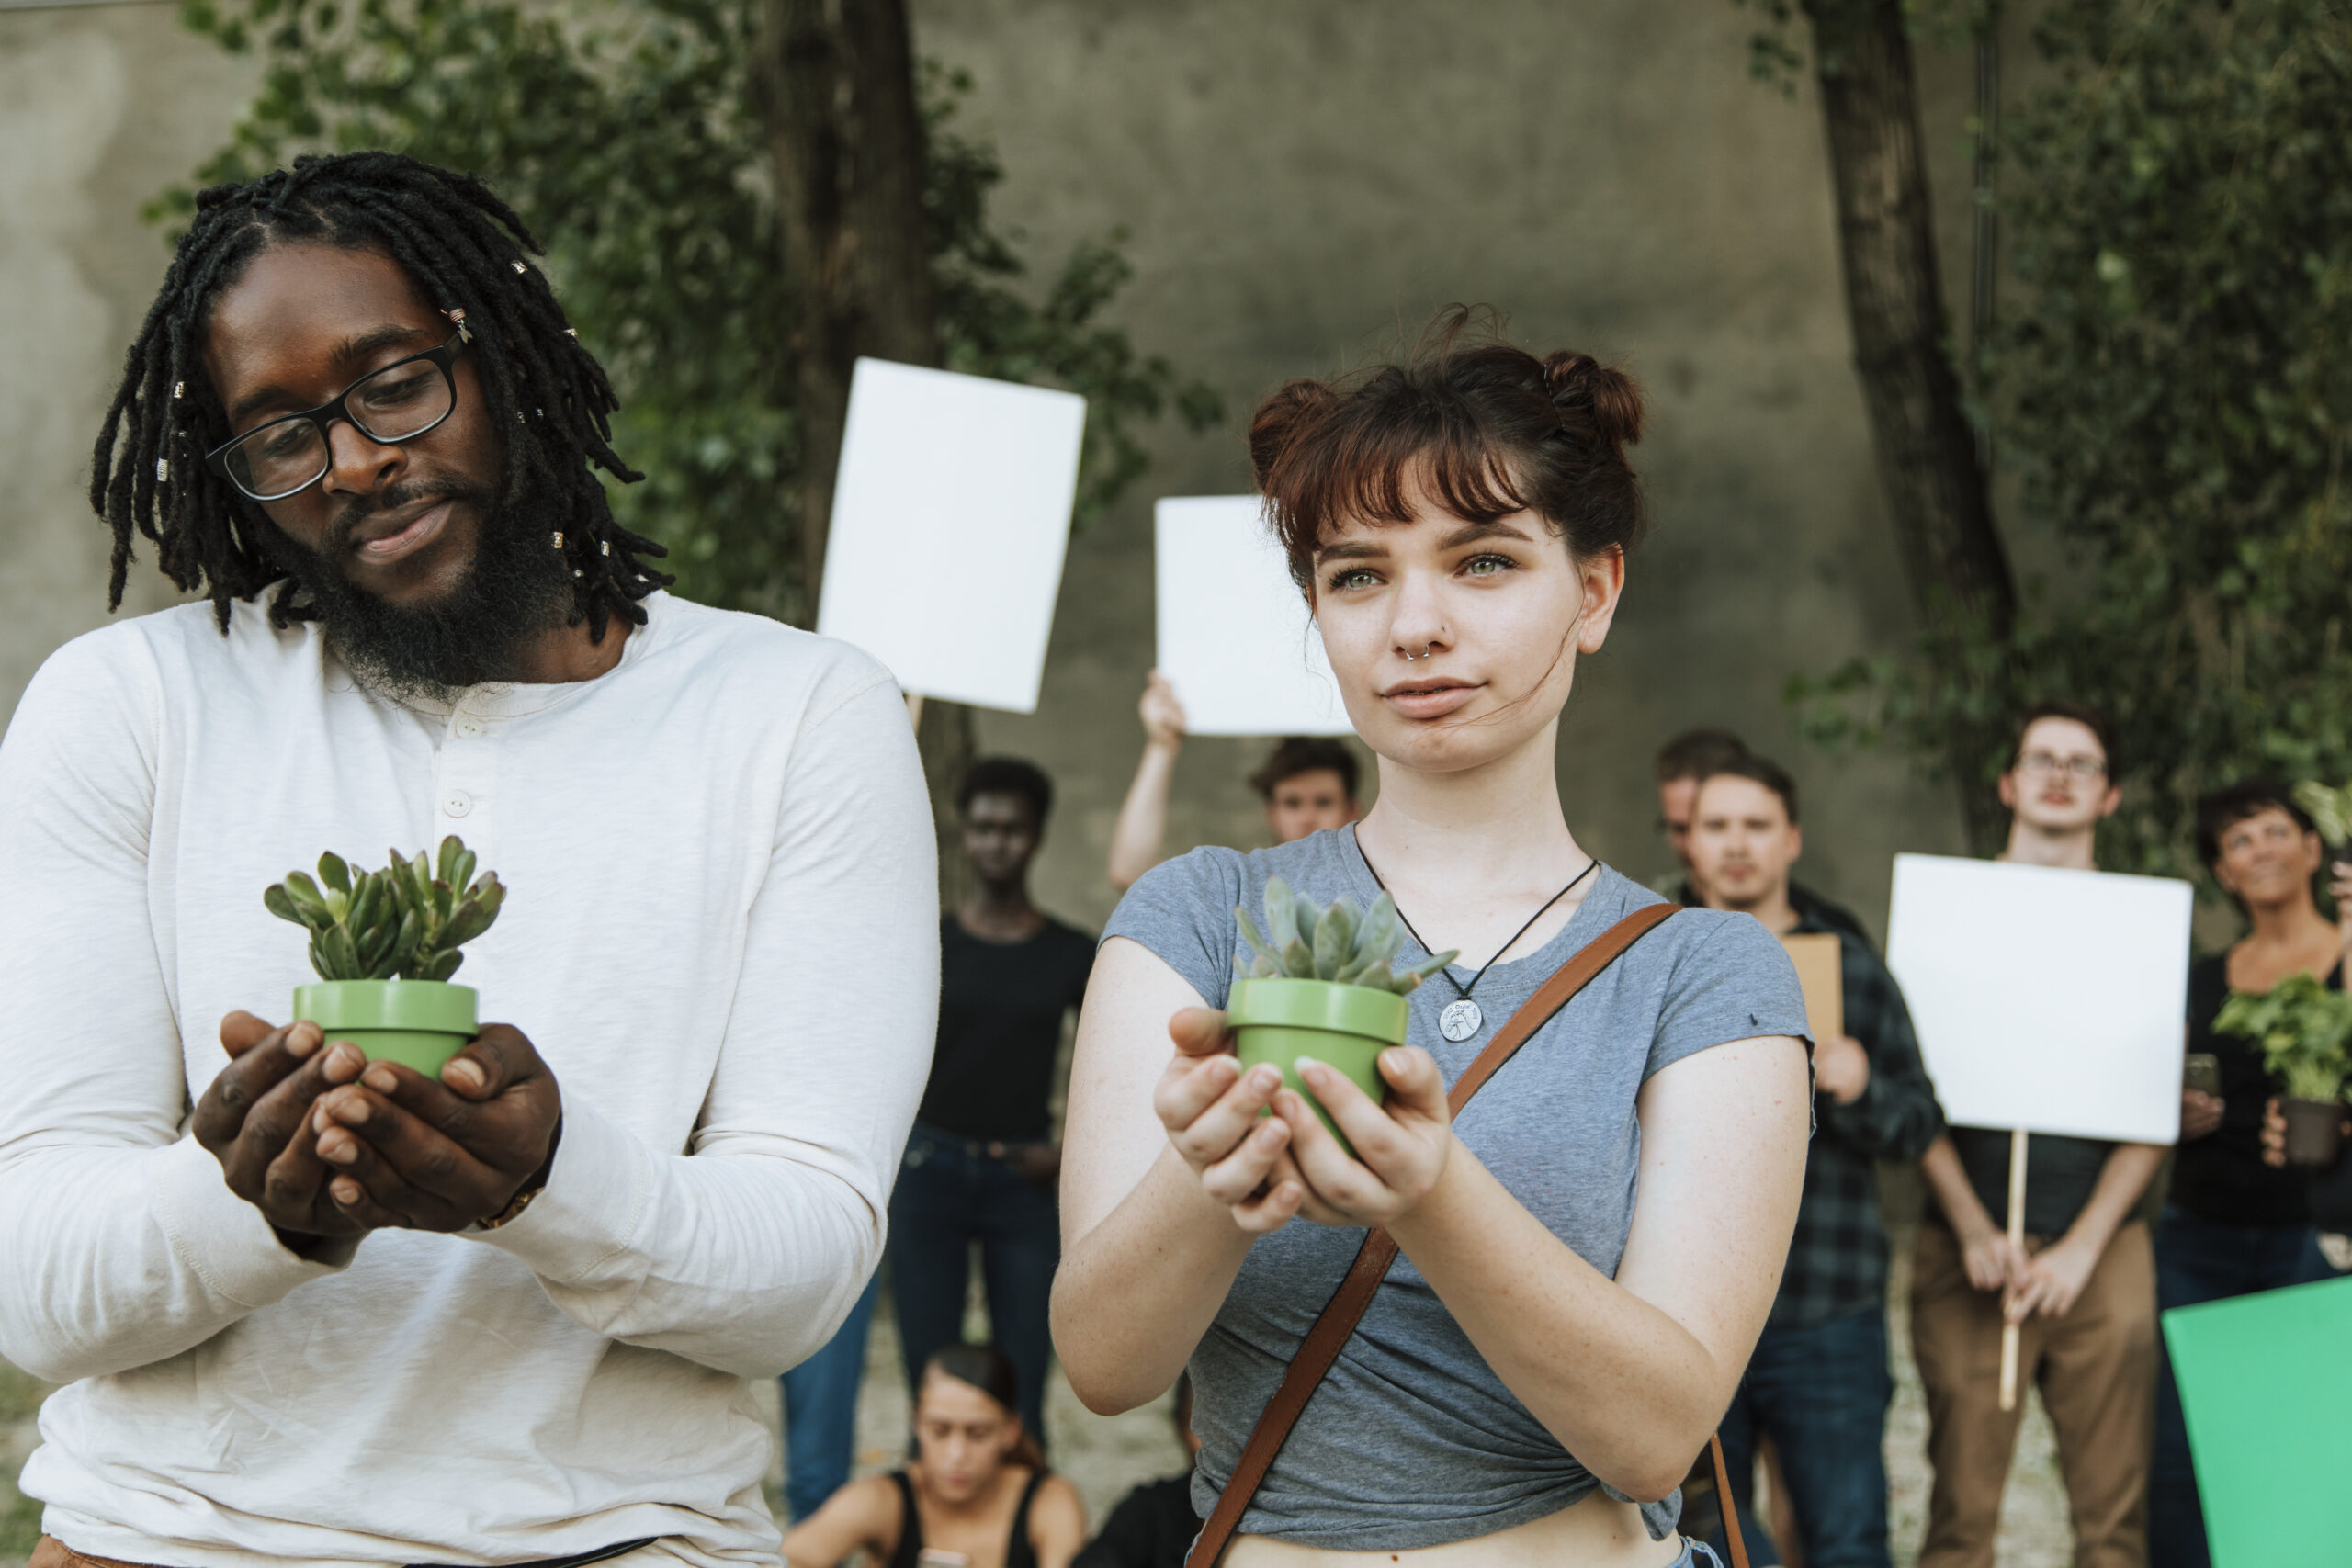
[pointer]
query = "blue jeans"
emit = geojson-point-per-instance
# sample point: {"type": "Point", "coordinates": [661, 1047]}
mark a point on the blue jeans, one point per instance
{"type": "Point", "coordinates": [2200, 1259]}
{"type": "Point", "coordinates": [820, 1411]}
{"type": "Point", "coordinates": [951, 1193]}
{"type": "Point", "coordinates": [1821, 1394]}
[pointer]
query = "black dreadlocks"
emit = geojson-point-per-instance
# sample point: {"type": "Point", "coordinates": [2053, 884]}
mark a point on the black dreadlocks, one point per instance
{"type": "Point", "coordinates": [464, 248]}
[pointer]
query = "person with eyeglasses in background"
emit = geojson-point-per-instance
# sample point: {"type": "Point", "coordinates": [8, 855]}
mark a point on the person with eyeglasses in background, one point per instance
{"type": "Point", "coordinates": [2083, 1288]}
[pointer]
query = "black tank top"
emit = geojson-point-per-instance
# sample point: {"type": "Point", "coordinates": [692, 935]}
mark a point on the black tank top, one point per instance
{"type": "Point", "coordinates": [1018, 1552]}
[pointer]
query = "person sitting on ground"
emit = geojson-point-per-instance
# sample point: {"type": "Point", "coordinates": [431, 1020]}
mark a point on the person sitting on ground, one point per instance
{"type": "Point", "coordinates": [1153, 1526]}
{"type": "Point", "coordinates": [1308, 783]}
{"type": "Point", "coordinates": [1817, 1386]}
{"type": "Point", "coordinates": [977, 1494]}
{"type": "Point", "coordinates": [980, 1162]}
{"type": "Point", "coordinates": [313, 1308]}
{"type": "Point", "coordinates": [1682, 763]}
{"type": "Point", "coordinates": [2232, 1224]}
{"type": "Point", "coordinates": [1587, 1253]}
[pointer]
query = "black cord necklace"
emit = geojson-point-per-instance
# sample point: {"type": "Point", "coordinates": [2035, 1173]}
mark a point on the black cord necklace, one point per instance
{"type": "Point", "coordinates": [1461, 1019]}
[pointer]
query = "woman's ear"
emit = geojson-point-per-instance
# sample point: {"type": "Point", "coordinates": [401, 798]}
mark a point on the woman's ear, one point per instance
{"type": "Point", "coordinates": [1602, 579]}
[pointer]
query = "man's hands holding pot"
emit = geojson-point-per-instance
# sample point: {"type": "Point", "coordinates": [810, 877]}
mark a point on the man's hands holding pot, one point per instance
{"type": "Point", "coordinates": [328, 1144]}
{"type": "Point", "coordinates": [1267, 1169]}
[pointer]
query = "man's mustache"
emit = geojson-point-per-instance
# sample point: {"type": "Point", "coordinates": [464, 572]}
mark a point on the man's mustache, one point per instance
{"type": "Point", "coordinates": [359, 509]}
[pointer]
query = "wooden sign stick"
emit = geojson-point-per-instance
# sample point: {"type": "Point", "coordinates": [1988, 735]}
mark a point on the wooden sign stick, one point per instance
{"type": "Point", "coordinates": [2017, 1245]}
{"type": "Point", "coordinates": [914, 709]}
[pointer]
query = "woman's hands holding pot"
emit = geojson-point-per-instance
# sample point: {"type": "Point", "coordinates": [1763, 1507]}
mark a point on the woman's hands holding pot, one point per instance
{"type": "Point", "coordinates": [1268, 1169]}
{"type": "Point", "coordinates": [1401, 1147]}
{"type": "Point", "coordinates": [1211, 1108]}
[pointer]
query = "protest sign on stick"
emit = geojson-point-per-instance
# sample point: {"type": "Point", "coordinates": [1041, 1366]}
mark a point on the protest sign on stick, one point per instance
{"type": "Point", "coordinates": [2264, 1383]}
{"type": "Point", "coordinates": [1235, 638]}
{"type": "Point", "coordinates": [2046, 1001]}
{"type": "Point", "coordinates": [950, 515]}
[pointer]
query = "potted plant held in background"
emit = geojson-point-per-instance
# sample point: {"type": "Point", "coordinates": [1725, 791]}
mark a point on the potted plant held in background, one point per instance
{"type": "Point", "coordinates": [1321, 985]}
{"type": "Point", "coordinates": [385, 943]}
{"type": "Point", "coordinates": [2305, 1033]}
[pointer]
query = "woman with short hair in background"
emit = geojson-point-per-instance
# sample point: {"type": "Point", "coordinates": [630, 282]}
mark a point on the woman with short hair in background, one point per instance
{"type": "Point", "coordinates": [2233, 1224]}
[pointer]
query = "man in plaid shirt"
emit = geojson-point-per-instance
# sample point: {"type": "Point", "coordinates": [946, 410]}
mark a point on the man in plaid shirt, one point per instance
{"type": "Point", "coordinates": [1817, 1386]}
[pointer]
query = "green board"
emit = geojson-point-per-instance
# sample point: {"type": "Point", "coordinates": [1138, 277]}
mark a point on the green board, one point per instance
{"type": "Point", "coordinates": [2266, 1382]}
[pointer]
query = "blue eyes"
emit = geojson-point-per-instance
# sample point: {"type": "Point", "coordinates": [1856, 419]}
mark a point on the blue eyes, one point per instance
{"type": "Point", "coordinates": [1353, 577]}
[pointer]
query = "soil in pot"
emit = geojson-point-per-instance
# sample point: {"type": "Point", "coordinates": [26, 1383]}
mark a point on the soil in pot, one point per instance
{"type": "Point", "coordinates": [418, 1024]}
{"type": "Point", "coordinates": [2314, 1131]}
{"type": "Point", "coordinates": [1344, 1027]}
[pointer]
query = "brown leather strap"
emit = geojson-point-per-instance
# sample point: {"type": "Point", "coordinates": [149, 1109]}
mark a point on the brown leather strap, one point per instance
{"type": "Point", "coordinates": [1724, 1504]}
{"type": "Point", "coordinates": [1346, 1307]}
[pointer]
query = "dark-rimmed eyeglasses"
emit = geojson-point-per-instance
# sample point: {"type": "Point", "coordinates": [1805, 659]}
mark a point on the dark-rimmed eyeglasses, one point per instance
{"type": "Point", "coordinates": [396, 403]}
{"type": "Point", "coordinates": [2088, 769]}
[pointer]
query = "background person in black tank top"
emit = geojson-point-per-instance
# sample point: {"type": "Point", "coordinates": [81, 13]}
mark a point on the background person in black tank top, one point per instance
{"type": "Point", "coordinates": [980, 1163]}
{"type": "Point", "coordinates": [978, 1494]}
{"type": "Point", "coordinates": [2233, 1224]}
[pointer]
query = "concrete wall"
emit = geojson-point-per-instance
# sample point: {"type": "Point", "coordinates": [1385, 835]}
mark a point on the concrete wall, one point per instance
{"type": "Point", "coordinates": [1304, 185]}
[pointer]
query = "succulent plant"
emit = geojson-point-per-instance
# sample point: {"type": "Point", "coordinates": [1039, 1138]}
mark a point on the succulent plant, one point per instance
{"type": "Point", "coordinates": [2330, 809]}
{"type": "Point", "coordinates": [403, 922]}
{"type": "Point", "coordinates": [1302, 941]}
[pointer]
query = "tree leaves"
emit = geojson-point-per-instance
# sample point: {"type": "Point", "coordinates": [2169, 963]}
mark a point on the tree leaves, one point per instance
{"type": "Point", "coordinates": [624, 137]}
{"type": "Point", "coordinates": [2172, 389]}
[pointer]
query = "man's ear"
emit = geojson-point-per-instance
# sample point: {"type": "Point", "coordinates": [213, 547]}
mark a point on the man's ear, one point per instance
{"type": "Point", "coordinates": [1796, 844]}
{"type": "Point", "coordinates": [2008, 788]}
{"type": "Point", "coordinates": [2109, 801]}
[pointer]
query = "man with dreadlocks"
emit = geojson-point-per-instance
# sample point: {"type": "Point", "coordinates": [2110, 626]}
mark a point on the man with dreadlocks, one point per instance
{"type": "Point", "coordinates": [312, 1309]}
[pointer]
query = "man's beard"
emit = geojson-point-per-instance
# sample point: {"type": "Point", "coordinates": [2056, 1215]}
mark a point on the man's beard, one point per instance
{"type": "Point", "coordinates": [517, 590]}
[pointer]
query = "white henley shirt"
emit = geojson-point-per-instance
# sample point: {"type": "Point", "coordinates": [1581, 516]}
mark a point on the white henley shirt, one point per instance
{"type": "Point", "coordinates": [721, 935]}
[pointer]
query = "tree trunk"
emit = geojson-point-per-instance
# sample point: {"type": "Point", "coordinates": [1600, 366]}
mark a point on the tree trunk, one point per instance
{"type": "Point", "coordinates": [834, 85]}
{"type": "Point", "coordinates": [1927, 457]}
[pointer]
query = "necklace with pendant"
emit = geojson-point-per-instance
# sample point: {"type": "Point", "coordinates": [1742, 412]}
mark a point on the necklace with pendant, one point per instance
{"type": "Point", "coordinates": [1462, 1018]}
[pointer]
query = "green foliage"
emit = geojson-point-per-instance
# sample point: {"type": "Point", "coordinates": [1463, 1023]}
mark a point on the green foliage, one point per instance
{"type": "Point", "coordinates": [1341, 943]}
{"type": "Point", "coordinates": [2330, 809]}
{"type": "Point", "coordinates": [2304, 1030]}
{"type": "Point", "coordinates": [623, 134]}
{"type": "Point", "coordinates": [21, 1397]}
{"type": "Point", "coordinates": [2172, 385]}
{"type": "Point", "coordinates": [403, 922]}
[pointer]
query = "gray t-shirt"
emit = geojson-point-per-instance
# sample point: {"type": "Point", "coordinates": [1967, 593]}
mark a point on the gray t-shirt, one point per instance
{"type": "Point", "coordinates": [1412, 1440]}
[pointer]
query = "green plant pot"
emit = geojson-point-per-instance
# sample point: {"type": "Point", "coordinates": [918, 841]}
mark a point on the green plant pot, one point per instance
{"type": "Point", "coordinates": [1344, 1027]}
{"type": "Point", "coordinates": [418, 1024]}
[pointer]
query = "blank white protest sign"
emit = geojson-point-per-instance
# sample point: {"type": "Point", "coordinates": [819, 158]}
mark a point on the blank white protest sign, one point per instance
{"type": "Point", "coordinates": [2050, 1000]}
{"type": "Point", "coordinates": [951, 514]}
{"type": "Point", "coordinates": [1234, 636]}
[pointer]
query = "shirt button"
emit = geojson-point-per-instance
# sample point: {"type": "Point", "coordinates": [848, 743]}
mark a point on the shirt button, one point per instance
{"type": "Point", "coordinates": [457, 803]}
{"type": "Point", "coordinates": [467, 726]}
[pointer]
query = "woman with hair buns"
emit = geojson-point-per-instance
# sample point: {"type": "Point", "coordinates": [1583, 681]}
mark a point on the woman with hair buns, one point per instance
{"type": "Point", "coordinates": [1587, 1249]}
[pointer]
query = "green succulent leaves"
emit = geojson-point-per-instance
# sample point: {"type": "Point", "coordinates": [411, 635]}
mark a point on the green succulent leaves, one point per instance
{"type": "Point", "coordinates": [1303, 943]}
{"type": "Point", "coordinates": [404, 922]}
{"type": "Point", "coordinates": [2304, 1030]}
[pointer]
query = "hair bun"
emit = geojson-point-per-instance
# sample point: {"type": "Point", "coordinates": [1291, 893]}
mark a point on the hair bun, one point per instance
{"type": "Point", "coordinates": [1594, 400]}
{"type": "Point", "coordinates": [1278, 419]}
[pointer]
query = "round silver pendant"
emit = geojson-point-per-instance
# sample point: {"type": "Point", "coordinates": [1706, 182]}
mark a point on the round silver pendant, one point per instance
{"type": "Point", "coordinates": [1460, 1020]}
